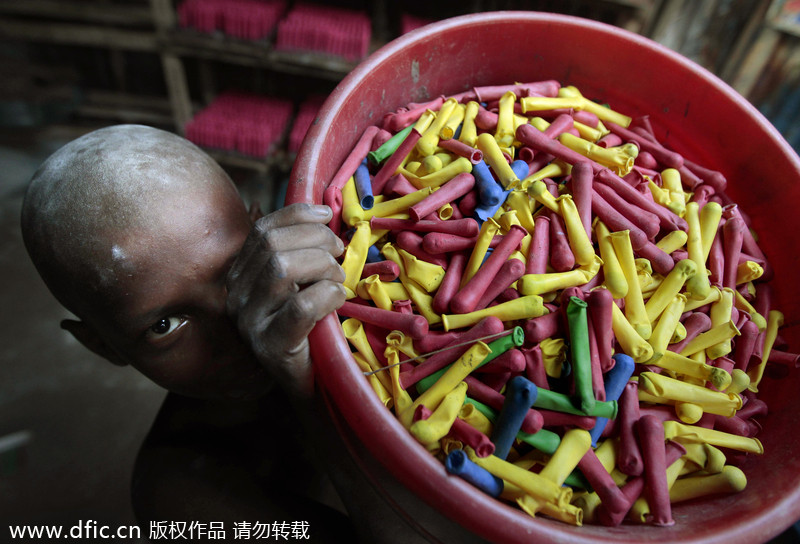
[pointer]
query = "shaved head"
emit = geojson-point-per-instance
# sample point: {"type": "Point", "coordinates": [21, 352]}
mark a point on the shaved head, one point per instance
{"type": "Point", "coordinates": [105, 188]}
{"type": "Point", "coordinates": [134, 230]}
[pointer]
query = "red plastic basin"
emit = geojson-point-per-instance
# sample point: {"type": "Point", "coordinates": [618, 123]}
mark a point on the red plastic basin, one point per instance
{"type": "Point", "coordinates": [695, 114]}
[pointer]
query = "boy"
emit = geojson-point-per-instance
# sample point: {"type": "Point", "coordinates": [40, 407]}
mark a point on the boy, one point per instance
{"type": "Point", "coordinates": [144, 238]}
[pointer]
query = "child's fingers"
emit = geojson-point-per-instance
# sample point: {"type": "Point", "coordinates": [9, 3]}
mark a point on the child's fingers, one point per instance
{"type": "Point", "coordinates": [264, 241]}
{"type": "Point", "coordinates": [296, 214]}
{"type": "Point", "coordinates": [289, 329]}
{"type": "Point", "coordinates": [301, 236]}
{"type": "Point", "coordinates": [286, 270]}
{"type": "Point", "coordinates": [300, 312]}
{"type": "Point", "coordinates": [266, 286]}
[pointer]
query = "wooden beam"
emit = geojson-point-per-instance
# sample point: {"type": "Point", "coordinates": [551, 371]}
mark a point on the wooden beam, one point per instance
{"type": "Point", "coordinates": [178, 89]}
{"type": "Point", "coordinates": [238, 160]}
{"type": "Point", "coordinates": [124, 115]}
{"type": "Point", "coordinates": [89, 12]}
{"type": "Point", "coordinates": [750, 69]}
{"type": "Point", "coordinates": [126, 108]}
{"type": "Point", "coordinates": [77, 34]}
{"type": "Point", "coordinates": [258, 54]}
{"type": "Point", "coordinates": [163, 13]}
{"type": "Point", "coordinates": [744, 41]}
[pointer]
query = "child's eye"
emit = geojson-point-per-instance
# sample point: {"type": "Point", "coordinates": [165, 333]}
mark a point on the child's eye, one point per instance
{"type": "Point", "coordinates": [164, 326]}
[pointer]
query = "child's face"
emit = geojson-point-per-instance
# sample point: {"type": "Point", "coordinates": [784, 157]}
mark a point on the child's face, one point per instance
{"type": "Point", "coordinates": [166, 315]}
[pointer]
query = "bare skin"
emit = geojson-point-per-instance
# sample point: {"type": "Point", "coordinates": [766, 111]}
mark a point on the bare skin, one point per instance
{"type": "Point", "coordinates": [287, 269]}
{"type": "Point", "coordinates": [148, 274]}
{"type": "Point", "coordinates": [145, 239]}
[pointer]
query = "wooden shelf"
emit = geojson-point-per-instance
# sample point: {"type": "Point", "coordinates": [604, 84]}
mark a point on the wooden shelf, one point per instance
{"type": "Point", "coordinates": [151, 26]}
{"type": "Point", "coordinates": [123, 14]}
{"type": "Point", "coordinates": [93, 35]}
{"type": "Point", "coordinates": [634, 4]}
{"type": "Point", "coordinates": [278, 160]}
{"type": "Point", "coordinates": [262, 54]}
{"type": "Point", "coordinates": [784, 26]}
{"type": "Point", "coordinates": [126, 108]}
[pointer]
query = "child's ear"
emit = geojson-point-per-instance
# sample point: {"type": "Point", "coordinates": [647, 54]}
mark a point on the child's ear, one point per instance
{"type": "Point", "coordinates": [90, 340]}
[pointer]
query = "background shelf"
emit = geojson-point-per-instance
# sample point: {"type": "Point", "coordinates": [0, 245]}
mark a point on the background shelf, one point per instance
{"type": "Point", "coordinates": [134, 60]}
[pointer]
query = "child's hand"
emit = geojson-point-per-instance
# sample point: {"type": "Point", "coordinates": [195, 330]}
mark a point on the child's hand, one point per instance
{"type": "Point", "coordinates": [284, 280]}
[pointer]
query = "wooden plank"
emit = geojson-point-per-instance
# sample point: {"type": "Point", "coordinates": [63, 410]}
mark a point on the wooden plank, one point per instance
{"type": "Point", "coordinates": [124, 115]}
{"type": "Point", "coordinates": [669, 12]}
{"type": "Point", "coordinates": [259, 54]}
{"type": "Point", "coordinates": [634, 4]}
{"type": "Point", "coordinates": [77, 34]}
{"type": "Point", "coordinates": [308, 63]}
{"type": "Point", "coordinates": [237, 160]}
{"type": "Point", "coordinates": [178, 90]}
{"type": "Point", "coordinates": [208, 81]}
{"type": "Point", "coordinates": [126, 14]}
{"type": "Point", "coordinates": [216, 47]}
{"type": "Point", "coordinates": [749, 72]}
{"type": "Point", "coordinates": [127, 108]}
{"type": "Point", "coordinates": [128, 100]}
{"type": "Point", "coordinates": [163, 13]}
{"type": "Point", "coordinates": [744, 41]}
{"type": "Point", "coordinates": [789, 28]}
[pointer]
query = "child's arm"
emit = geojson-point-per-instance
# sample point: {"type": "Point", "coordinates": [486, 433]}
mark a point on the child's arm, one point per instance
{"type": "Point", "coordinates": [284, 280]}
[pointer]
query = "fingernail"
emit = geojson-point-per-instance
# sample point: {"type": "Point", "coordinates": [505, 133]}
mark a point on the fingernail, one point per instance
{"type": "Point", "coordinates": [321, 210]}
